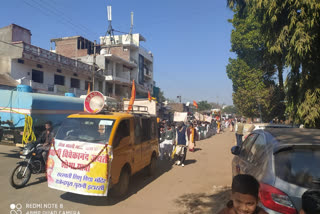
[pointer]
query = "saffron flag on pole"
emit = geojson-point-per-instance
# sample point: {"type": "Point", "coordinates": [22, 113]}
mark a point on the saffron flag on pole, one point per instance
{"type": "Point", "coordinates": [88, 92]}
{"type": "Point", "coordinates": [133, 96]}
{"type": "Point", "coordinates": [195, 104]}
{"type": "Point", "coordinates": [149, 96]}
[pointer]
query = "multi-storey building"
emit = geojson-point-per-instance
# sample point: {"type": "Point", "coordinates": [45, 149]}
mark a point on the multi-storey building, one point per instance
{"type": "Point", "coordinates": [128, 47]}
{"type": "Point", "coordinates": [43, 70]}
{"type": "Point", "coordinates": [119, 61]}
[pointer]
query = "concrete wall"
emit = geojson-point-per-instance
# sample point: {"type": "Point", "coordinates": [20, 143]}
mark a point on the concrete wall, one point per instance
{"type": "Point", "coordinates": [5, 65]}
{"type": "Point", "coordinates": [24, 71]}
{"type": "Point", "coordinates": [21, 34]}
{"type": "Point", "coordinates": [6, 34]}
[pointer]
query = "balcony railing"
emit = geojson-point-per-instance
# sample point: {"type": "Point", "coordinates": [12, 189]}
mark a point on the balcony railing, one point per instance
{"type": "Point", "coordinates": [120, 76]}
{"type": "Point", "coordinates": [55, 57]}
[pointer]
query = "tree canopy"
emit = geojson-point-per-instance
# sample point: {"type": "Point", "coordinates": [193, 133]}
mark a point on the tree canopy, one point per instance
{"type": "Point", "coordinates": [268, 36]}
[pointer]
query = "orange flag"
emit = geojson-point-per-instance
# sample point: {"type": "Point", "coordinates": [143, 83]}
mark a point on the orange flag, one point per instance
{"type": "Point", "coordinates": [88, 88]}
{"type": "Point", "coordinates": [149, 96]}
{"type": "Point", "coordinates": [133, 96]}
{"type": "Point", "coordinates": [195, 104]}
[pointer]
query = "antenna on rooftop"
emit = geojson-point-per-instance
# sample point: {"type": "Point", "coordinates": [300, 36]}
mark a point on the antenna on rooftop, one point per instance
{"type": "Point", "coordinates": [131, 27]}
{"type": "Point", "coordinates": [110, 29]}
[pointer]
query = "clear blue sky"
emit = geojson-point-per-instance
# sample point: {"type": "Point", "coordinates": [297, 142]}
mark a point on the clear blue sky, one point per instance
{"type": "Point", "coordinates": [190, 40]}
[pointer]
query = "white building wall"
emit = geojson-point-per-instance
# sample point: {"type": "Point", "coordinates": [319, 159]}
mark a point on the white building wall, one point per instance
{"type": "Point", "coordinates": [19, 71]}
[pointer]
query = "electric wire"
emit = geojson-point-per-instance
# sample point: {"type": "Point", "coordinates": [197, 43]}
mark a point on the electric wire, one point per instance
{"type": "Point", "coordinates": [50, 12]}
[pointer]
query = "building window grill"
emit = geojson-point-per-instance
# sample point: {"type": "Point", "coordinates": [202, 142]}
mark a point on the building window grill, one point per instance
{"type": "Point", "coordinates": [37, 76]}
{"type": "Point", "coordinates": [58, 80]}
{"type": "Point", "coordinates": [75, 83]}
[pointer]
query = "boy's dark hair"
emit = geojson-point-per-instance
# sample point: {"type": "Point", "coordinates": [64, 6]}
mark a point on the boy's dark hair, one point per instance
{"type": "Point", "coordinates": [311, 201]}
{"type": "Point", "coordinates": [245, 184]}
{"type": "Point", "coordinates": [49, 122]}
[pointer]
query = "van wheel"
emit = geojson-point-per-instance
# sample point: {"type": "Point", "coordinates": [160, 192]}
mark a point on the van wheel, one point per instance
{"type": "Point", "coordinates": [152, 168]}
{"type": "Point", "coordinates": [122, 186]}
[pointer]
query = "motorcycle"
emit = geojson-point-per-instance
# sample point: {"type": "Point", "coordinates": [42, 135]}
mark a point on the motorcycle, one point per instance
{"type": "Point", "coordinates": [32, 163]}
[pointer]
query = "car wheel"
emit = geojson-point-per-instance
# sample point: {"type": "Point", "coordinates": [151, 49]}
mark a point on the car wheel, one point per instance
{"type": "Point", "coordinates": [122, 186]}
{"type": "Point", "coordinates": [152, 168]}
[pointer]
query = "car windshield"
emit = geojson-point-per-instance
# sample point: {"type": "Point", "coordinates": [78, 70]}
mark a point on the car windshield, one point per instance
{"type": "Point", "coordinates": [93, 130]}
{"type": "Point", "coordinates": [299, 166]}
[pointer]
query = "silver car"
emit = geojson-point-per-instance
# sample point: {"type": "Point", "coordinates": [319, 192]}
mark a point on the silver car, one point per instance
{"type": "Point", "coordinates": [286, 162]}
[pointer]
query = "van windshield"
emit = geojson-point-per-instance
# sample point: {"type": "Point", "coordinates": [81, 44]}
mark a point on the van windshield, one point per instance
{"type": "Point", "coordinates": [93, 130]}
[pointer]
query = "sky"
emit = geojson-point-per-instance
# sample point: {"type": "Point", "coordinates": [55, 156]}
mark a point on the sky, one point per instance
{"type": "Point", "coordinates": [190, 40]}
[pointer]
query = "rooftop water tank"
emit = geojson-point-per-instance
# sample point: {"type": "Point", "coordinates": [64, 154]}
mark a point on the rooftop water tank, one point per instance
{"type": "Point", "coordinates": [24, 88]}
{"type": "Point", "coordinates": [69, 95]}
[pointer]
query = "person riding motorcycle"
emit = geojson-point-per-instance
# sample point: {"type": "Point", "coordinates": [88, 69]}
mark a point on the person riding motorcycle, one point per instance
{"type": "Point", "coordinates": [45, 139]}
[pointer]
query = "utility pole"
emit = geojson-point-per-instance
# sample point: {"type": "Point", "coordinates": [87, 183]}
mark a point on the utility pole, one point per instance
{"type": "Point", "coordinates": [94, 63]}
{"type": "Point", "coordinates": [179, 98]}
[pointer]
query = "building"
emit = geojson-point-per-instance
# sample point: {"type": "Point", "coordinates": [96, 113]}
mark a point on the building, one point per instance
{"type": "Point", "coordinates": [118, 63]}
{"type": "Point", "coordinates": [128, 48]}
{"type": "Point", "coordinates": [43, 70]}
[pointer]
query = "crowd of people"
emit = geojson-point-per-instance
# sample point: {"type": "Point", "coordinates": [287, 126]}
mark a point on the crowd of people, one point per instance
{"type": "Point", "coordinates": [176, 138]}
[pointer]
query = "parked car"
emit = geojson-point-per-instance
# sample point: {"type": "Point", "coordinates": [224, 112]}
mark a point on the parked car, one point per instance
{"type": "Point", "coordinates": [285, 161]}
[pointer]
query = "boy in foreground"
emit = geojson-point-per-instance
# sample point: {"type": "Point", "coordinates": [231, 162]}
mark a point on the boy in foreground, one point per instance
{"type": "Point", "coordinates": [310, 202]}
{"type": "Point", "coordinates": [245, 196]}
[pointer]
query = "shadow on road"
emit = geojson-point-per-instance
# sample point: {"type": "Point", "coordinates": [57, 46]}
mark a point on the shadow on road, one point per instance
{"type": "Point", "coordinates": [14, 153]}
{"type": "Point", "coordinates": [137, 182]}
{"type": "Point", "coordinates": [197, 149]}
{"type": "Point", "coordinates": [39, 180]}
{"type": "Point", "coordinates": [189, 161]}
{"type": "Point", "coordinates": [199, 203]}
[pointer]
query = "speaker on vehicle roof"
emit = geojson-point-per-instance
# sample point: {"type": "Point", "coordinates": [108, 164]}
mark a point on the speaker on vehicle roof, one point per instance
{"type": "Point", "coordinates": [94, 102]}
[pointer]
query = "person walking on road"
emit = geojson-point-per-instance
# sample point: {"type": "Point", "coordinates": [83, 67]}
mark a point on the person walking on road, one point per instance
{"type": "Point", "coordinates": [182, 143]}
{"type": "Point", "coordinates": [168, 141]}
{"type": "Point", "coordinates": [239, 133]}
{"type": "Point", "coordinates": [191, 137]}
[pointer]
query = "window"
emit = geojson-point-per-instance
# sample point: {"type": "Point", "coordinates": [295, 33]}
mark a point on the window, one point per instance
{"type": "Point", "coordinates": [146, 129]}
{"type": "Point", "coordinates": [75, 83]}
{"type": "Point", "coordinates": [246, 145]}
{"type": "Point", "coordinates": [123, 131]}
{"type": "Point", "coordinates": [59, 71]}
{"type": "Point", "coordinates": [74, 74]}
{"type": "Point", "coordinates": [299, 166]}
{"type": "Point", "coordinates": [39, 66]}
{"type": "Point", "coordinates": [257, 150]}
{"type": "Point", "coordinates": [21, 61]}
{"type": "Point", "coordinates": [92, 130]}
{"type": "Point", "coordinates": [137, 130]}
{"type": "Point", "coordinates": [58, 80]}
{"type": "Point", "coordinates": [37, 76]}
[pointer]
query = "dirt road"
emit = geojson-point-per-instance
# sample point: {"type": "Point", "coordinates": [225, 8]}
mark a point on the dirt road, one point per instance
{"type": "Point", "coordinates": [201, 186]}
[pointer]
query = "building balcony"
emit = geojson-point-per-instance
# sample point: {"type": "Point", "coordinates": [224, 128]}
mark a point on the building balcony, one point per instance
{"type": "Point", "coordinates": [131, 64]}
{"type": "Point", "coordinates": [44, 56]}
{"type": "Point", "coordinates": [120, 77]}
{"type": "Point", "coordinates": [147, 73]}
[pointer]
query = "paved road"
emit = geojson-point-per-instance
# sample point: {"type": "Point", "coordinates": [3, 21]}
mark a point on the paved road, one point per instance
{"type": "Point", "coordinates": [199, 187]}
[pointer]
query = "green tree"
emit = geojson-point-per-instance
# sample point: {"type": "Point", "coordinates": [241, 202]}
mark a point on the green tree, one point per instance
{"type": "Point", "coordinates": [203, 106]}
{"type": "Point", "coordinates": [230, 110]}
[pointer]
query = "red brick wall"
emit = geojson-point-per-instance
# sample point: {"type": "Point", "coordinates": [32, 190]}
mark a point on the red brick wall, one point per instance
{"type": "Point", "coordinates": [118, 51]}
{"type": "Point", "coordinates": [67, 47]}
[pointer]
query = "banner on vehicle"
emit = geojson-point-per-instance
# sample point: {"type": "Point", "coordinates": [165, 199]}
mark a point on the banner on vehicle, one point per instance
{"type": "Point", "coordinates": [89, 179]}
